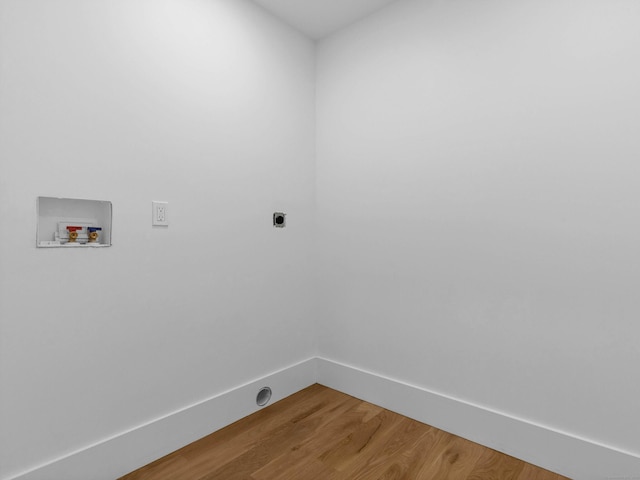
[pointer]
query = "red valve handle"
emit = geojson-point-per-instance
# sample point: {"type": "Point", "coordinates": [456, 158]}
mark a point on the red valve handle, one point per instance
{"type": "Point", "coordinates": [74, 229]}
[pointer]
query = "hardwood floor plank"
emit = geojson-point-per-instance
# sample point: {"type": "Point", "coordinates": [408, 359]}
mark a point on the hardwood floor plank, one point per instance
{"type": "Point", "coordinates": [346, 420]}
{"type": "Point", "coordinates": [353, 450]}
{"type": "Point", "coordinates": [495, 466]}
{"type": "Point", "coordinates": [409, 463]}
{"type": "Point", "coordinates": [170, 468]}
{"type": "Point", "coordinates": [390, 460]}
{"type": "Point", "coordinates": [370, 410]}
{"type": "Point", "coordinates": [454, 458]}
{"type": "Point", "coordinates": [310, 469]}
{"type": "Point", "coordinates": [322, 434]}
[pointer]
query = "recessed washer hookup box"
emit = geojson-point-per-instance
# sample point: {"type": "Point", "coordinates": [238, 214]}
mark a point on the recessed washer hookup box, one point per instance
{"type": "Point", "coordinates": [70, 222]}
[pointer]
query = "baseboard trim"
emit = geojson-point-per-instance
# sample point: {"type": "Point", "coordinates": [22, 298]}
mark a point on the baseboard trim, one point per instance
{"type": "Point", "coordinates": [560, 452]}
{"type": "Point", "coordinates": [146, 443]}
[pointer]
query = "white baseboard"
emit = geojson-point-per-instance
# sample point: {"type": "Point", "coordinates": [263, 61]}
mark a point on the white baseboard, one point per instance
{"type": "Point", "coordinates": [574, 457]}
{"type": "Point", "coordinates": [139, 446]}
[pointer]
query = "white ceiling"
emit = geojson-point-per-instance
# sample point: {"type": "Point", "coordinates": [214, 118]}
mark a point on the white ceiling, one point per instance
{"type": "Point", "coordinates": [318, 18]}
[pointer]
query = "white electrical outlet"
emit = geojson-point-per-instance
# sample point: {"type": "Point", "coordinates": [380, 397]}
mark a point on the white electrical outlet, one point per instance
{"type": "Point", "coordinates": [160, 213]}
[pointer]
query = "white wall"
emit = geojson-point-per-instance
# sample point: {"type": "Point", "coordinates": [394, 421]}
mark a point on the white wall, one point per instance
{"type": "Point", "coordinates": [478, 206]}
{"type": "Point", "coordinates": [477, 202]}
{"type": "Point", "coordinates": [207, 104]}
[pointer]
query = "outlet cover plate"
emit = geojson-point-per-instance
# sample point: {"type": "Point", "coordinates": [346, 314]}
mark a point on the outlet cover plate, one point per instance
{"type": "Point", "coordinates": [160, 212]}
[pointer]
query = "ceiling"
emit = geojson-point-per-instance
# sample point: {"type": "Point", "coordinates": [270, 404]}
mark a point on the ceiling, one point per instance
{"type": "Point", "coordinates": [319, 18]}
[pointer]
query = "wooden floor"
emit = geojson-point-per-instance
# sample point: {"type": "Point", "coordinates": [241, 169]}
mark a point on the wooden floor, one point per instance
{"type": "Point", "coordinates": [321, 434]}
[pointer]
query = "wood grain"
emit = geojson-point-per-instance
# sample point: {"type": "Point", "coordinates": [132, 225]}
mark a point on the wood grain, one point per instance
{"type": "Point", "coordinates": [321, 434]}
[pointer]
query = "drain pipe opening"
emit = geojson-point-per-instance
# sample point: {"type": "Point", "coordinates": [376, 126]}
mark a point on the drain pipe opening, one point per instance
{"type": "Point", "coordinates": [264, 395]}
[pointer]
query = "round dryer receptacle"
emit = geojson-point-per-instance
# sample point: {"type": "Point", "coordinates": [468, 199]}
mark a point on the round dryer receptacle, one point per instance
{"type": "Point", "coordinates": [279, 219]}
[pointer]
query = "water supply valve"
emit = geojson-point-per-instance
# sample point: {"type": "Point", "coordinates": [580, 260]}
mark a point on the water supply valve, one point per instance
{"type": "Point", "coordinates": [73, 233]}
{"type": "Point", "coordinates": [93, 233]}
